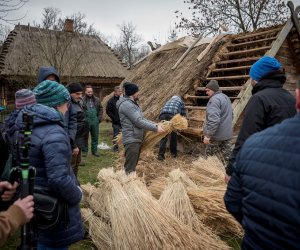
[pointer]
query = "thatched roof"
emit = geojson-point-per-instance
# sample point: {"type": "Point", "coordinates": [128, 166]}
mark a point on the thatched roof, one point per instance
{"type": "Point", "coordinates": [73, 54]}
{"type": "Point", "coordinates": [158, 81]}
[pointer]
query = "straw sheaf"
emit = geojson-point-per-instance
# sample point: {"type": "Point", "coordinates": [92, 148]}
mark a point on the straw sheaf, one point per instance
{"type": "Point", "coordinates": [119, 207]}
{"type": "Point", "coordinates": [158, 228]}
{"type": "Point", "coordinates": [99, 231]}
{"type": "Point", "coordinates": [138, 221]}
{"type": "Point", "coordinates": [177, 123]}
{"type": "Point", "coordinates": [210, 207]}
{"type": "Point", "coordinates": [175, 199]}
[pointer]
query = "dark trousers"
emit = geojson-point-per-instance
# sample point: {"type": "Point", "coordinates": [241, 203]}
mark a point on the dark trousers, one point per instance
{"type": "Point", "coordinates": [163, 141]}
{"type": "Point", "coordinates": [116, 131]}
{"type": "Point", "coordinates": [132, 154]}
{"type": "Point", "coordinates": [75, 160]}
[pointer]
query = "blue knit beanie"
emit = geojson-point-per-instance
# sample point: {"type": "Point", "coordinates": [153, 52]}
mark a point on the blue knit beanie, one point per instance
{"type": "Point", "coordinates": [51, 93]}
{"type": "Point", "coordinates": [264, 66]}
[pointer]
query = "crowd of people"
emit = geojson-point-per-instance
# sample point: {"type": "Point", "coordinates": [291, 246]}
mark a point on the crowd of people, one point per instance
{"type": "Point", "coordinates": [262, 168]}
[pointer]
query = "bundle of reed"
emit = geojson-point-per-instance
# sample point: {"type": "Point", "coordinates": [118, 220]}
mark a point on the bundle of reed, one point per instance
{"type": "Point", "coordinates": [99, 231]}
{"type": "Point", "coordinates": [211, 167]}
{"type": "Point", "coordinates": [158, 228]}
{"type": "Point", "coordinates": [87, 191]}
{"type": "Point", "coordinates": [209, 205]}
{"type": "Point", "coordinates": [177, 123]}
{"type": "Point", "coordinates": [125, 233]}
{"type": "Point", "coordinates": [157, 186]}
{"type": "Point", "coordinates": [175, 199]}
{"type": "Point", "coordinates": [204, 180]}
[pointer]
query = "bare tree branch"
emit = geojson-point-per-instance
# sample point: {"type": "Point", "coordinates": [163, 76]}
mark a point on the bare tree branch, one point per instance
{"type": "Point", "coordinates": [237, 15]}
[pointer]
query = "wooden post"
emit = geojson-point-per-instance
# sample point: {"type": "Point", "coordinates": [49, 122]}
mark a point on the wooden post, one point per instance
{"type": "Point", "coordinates": [186, 52]}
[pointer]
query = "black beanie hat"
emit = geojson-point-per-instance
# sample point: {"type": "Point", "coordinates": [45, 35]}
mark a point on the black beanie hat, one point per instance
{"type": "Point", "coordinates": [74, 87]}
{"type": "Point", "coordinates": [130, 88]}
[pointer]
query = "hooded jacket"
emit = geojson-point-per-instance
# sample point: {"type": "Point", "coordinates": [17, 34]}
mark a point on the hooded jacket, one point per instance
{"type": "Point", "coordinates": [270, 104]}
{"type": "Point", "coordinates": [44, 72]}
{"type": "Point", "coordinates": [71, 119]}
{"type": "Point", "coordinates": [50, 155]}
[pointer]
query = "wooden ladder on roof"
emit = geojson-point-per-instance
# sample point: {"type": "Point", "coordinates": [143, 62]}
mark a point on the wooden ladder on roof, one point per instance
{"type": "Point", "coordinates": [232, 73]}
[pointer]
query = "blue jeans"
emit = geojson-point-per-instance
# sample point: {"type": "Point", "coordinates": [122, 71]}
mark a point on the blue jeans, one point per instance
{"type": "Point", "coordinates": [43, 247]}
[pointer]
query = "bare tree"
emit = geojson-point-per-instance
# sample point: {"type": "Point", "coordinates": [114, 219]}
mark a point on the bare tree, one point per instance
{"type": "Point", "coordinates": [238, 15]}
{"type": "Point", "coordinates": [52, 19]}
{"type": "Point", "coordinates": [127, 44]}
{"type": "Point", "coordinates": [9, 6]}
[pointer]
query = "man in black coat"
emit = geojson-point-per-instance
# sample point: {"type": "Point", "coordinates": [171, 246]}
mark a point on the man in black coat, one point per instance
{"type": "Point", "coordinates": [270, 103]}
{"type": "Point", "coordinates": [112, 112]}
{"type": "Point", "coordinates": [76, 92]}
{"type": "Point", "coordinates": [263, 192]}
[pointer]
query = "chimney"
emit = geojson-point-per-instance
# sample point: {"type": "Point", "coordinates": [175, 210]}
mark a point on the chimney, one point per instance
{"type": "Point", "coordinates": [69, 25]}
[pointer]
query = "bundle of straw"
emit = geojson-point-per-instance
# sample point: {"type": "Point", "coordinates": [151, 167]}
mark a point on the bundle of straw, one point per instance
{"type": "Point", "coordinates": [177, 123]}
{"type": "Point", "coordinates": [175, 199]}
{"type": "Point", "coordinates": [139, 222]}
{"type": "Point", "coordinates": [210, 207]}
{"type": "Point", "coordinates": [159, 229]}
{"type": "Point", "coordinates": [157, 186]}
{"type": "Point", "coordinates": [206, 172]}
{"type": "Point", "coordinates": [119, 208]}
{"type": "Point", "coordinates": [87, 190]}
{"type": "Point", "coordinates": [99, 231]}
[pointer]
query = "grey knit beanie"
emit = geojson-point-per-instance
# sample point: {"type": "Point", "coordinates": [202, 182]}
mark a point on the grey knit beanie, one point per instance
{"type": "Point", "coordinates": [213, 85]}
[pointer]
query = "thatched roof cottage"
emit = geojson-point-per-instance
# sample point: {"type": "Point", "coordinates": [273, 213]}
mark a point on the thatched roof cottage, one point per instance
{"type": "Point", "coordinates": [77, 57]}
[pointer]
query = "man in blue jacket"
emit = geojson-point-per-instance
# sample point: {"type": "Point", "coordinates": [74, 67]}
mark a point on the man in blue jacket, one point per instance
{"type": "Point", "coordinates": [263, 192]}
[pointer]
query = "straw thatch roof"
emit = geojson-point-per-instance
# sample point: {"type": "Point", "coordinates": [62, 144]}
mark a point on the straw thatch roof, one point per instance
{"type": "Point", "coordinates": [158, 81]}
{"type": "Point", "coordinates": [76, 56]}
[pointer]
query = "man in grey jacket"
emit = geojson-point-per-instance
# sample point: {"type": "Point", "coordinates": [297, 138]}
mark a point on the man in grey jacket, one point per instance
{"type": "Point", "coordinates": [218, 125]}
{"type": "Point", "coordinates": [133, 125]}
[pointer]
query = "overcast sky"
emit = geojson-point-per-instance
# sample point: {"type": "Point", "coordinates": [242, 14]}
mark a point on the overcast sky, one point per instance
{"type": "Point", "coordinates": [152, 18]}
